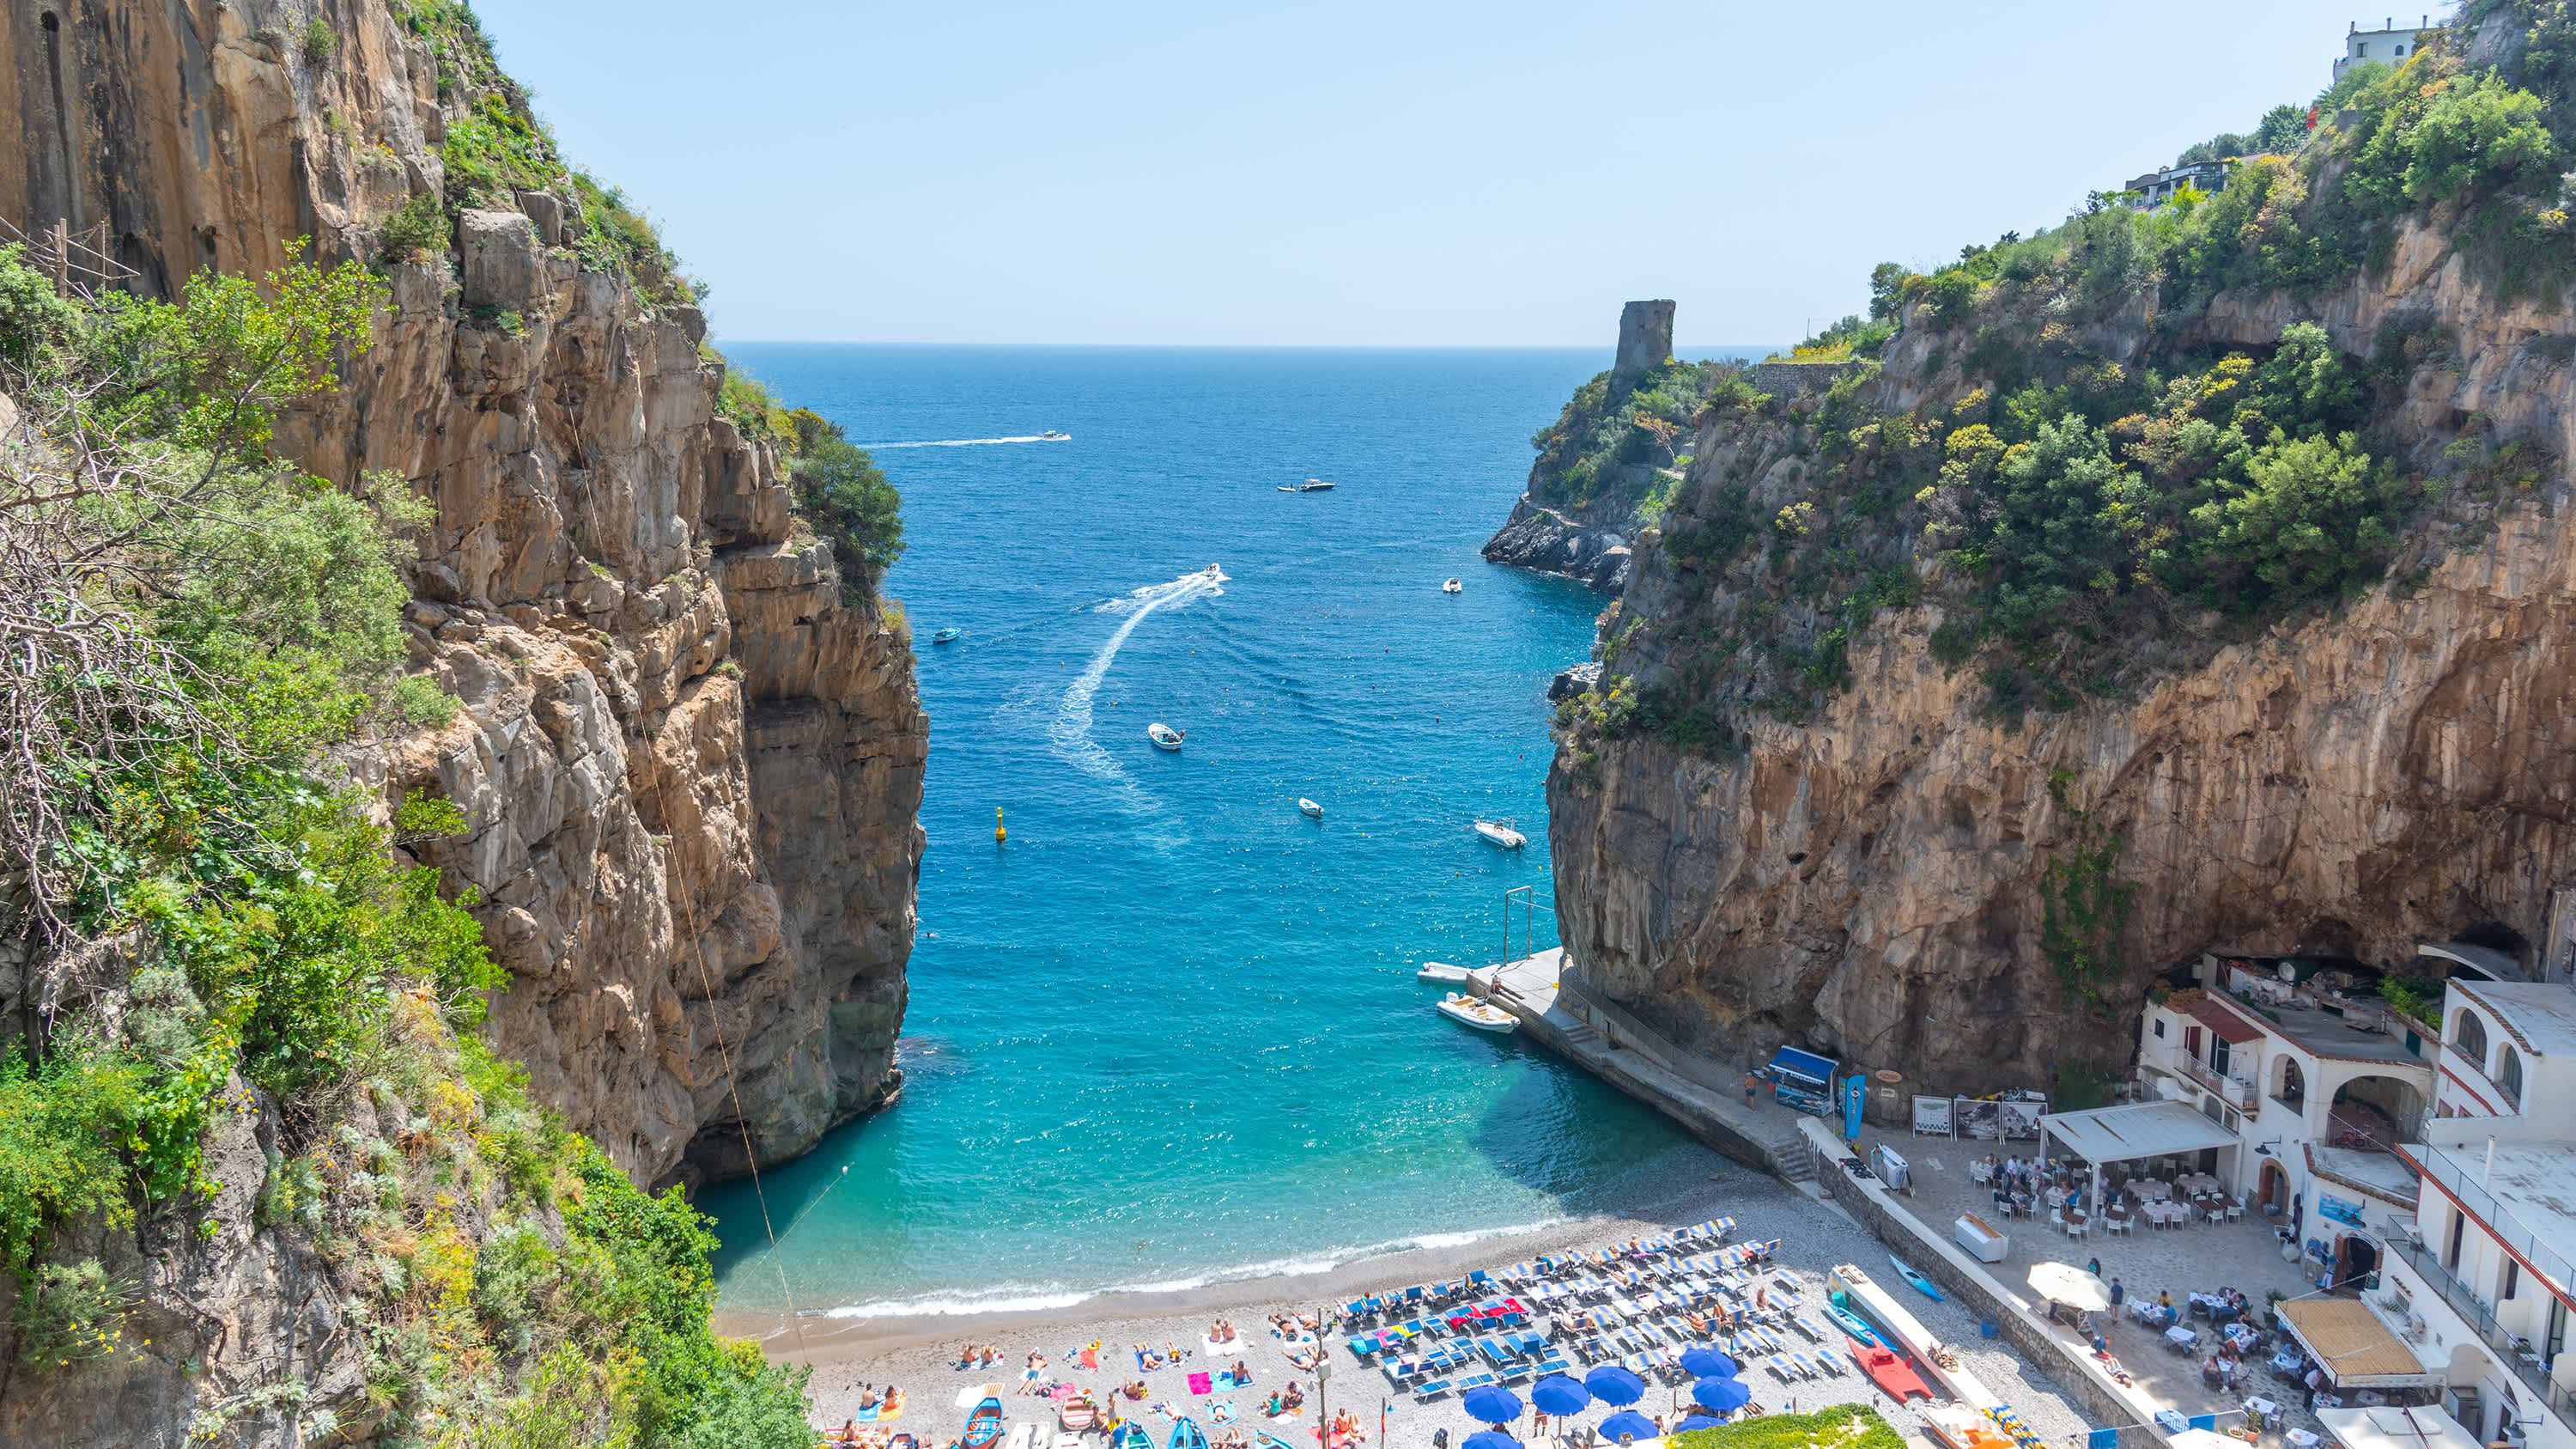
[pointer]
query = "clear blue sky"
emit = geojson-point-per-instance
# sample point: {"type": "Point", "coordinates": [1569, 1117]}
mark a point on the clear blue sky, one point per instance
{"type": "Point", "coordinates": [1383, 172]}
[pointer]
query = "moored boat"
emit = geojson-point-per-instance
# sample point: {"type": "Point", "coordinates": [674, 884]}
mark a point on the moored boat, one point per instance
{"type": "Point", "coordinates": [1925, 1285]}
{"type": "Point", "coordinates": [1186, 1434]}
{"type": "Point", "coordinates": [1501, 833]}
{"type": "Point", "coordinates": [1078, 1413]}
{"type": "Point", "coordinates": [1441, 971]}
{"type": "Point", "coordinates": [1311, 485]}
{"type": "Point", "coordinates": [984, 1425]}
{"type": "Point", "coordinates": [1309, 808]}
{"type": "Point", "coordinates": [1889, 1370]}
{"type": "Point", "coordinates": [1452, 586]}
{"type": "Point", "coordinates": [1482, 1015]}
{"type": "Point", "coordinates": [1164, 736]}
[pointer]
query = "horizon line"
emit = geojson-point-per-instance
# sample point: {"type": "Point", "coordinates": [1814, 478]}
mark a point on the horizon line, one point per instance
{"type": "Point", "coordinates": [1678, 352]}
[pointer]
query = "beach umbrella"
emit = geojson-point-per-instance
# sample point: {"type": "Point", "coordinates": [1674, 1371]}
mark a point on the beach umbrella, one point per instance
{"type": "Point", "coordinates": [2065, 1283]}
{"type": "Point", "coordinates": [1491, 1404]}
{"type": "Point", "coordinates": [1612, 1384]}
{"type": "Point", "coordinates": [1698, 1421]}
{"type": "Point", "coordinates": [1708, 1363]}
{"type": "Point", "coordinates": [1723, 1395]}
{"type": "Point", "coordinates": [1628, 1424]}
{"type": "Point", "coordinates": [1557, 1394]}
{"type": "Point", "coordinates": [1491, 1439]}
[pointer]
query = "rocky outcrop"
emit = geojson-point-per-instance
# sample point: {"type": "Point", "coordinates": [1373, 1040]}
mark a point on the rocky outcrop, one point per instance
{"type": "Point", "coordinates": [1868, 883]}
{"type": "Point", "coordinates": [692, 774]}
{"type": "Point", "coordinates": [1541, 538]}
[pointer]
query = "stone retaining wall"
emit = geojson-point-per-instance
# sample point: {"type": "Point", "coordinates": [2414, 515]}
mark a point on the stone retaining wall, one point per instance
{"type": "Point", "coordinates": [1790, 381]}
{"type": "Point", "coordinates": [2067, 1365]}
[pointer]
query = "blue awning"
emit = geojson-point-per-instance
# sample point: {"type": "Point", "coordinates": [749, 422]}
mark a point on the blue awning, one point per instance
{"type": "Point", "coordinates": [1807, 1066]}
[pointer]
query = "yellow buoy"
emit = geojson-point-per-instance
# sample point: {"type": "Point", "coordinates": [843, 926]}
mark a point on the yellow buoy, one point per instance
{"type": "Point", "coordinates": [999, 834]}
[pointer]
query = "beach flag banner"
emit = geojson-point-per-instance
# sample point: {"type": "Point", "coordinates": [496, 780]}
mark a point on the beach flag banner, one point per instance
{"type": "Point", "coordinates": [1855, 1097]}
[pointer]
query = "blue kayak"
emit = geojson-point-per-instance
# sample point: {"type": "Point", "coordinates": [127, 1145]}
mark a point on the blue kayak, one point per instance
{"type": "Point", "coordinates": [1928, 1287]}
{"type": "Point", "coordinates": [1853, 1324]}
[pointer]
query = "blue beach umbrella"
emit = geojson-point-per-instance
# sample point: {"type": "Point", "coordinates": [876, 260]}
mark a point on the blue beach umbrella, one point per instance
{"type": "Point", "coordinates": [1698, 1421]}
{"type": "Point", "coordinates": [1612, 1384]}
{"type": "Point", "coordinates": [1724, 1396]}
{"type": "Point", "coordinates": [1708, 1363]}
{"type": "Point", "coordinates": [1491, 1404]}
{"type": "Point", "coordinates": [1628, 1424]}
{"type": "Point", "coordinates": [1491, 1439]}
{"type": "Point", "coordinates": [1557, 1394]}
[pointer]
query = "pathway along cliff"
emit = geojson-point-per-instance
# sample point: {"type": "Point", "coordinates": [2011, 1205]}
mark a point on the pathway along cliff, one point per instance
{"type": "Point", "coordinates": [2174, 581]}
{"type": "Point", "coordinates": [687, 759]}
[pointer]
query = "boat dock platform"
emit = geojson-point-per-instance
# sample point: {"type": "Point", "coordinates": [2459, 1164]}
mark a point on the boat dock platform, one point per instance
{"type": "Point", "coordinates": [1605, 1041]}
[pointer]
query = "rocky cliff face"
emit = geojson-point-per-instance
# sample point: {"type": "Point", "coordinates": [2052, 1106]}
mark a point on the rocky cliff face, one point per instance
{"type": "Point", "coordinates": [1868, 882]}
{"type": "Point", "coordinates": [692, 774]}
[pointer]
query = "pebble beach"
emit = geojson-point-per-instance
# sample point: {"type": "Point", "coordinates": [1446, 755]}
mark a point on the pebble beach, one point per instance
{"type": "Point", "coordinates": [919, 1354]}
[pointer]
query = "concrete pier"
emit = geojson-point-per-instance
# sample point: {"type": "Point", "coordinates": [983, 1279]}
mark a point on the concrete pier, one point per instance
{"type": "Point", "coordinates": [1554, 1012]}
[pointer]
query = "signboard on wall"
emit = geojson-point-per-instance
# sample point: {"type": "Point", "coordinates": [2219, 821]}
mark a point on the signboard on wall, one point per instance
{"type": "Point", "coordinates": [1979, 1121]}
{"type": "Point", "coordinates": [2021, 1120]}
{"type": "Point", "coordinates": [1932, 1117]}
{"type": "Point", "coordinates": [2345, 1212]}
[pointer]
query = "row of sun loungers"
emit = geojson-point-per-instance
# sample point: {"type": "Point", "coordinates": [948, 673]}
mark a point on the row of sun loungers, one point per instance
{"type": "Point", "coordinates": [1639, 1306]}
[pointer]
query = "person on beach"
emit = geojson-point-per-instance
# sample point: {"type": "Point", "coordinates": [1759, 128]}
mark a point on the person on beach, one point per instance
{"type": "Point", "coordinates": [2119, 1294]}
{"type": "Point", "coordinates": [1035, 1371]}
{"type": "Point", "coordinates": [2094, 1267]}
{"type": "Point", "coordinates": [1752, 1084]}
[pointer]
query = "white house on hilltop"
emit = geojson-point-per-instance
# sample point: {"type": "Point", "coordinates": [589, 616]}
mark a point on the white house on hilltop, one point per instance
{"type": "Point", "coordinates": [2391, 43]}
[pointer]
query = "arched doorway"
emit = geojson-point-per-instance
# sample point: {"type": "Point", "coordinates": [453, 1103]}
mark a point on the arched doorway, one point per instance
{"type": "Point", "coordinates": [2374, 1113]}
{"type": "Point", "coordinates": [2272, 1191]}
{"type": "Point", "coordinates": [2290, 1085]}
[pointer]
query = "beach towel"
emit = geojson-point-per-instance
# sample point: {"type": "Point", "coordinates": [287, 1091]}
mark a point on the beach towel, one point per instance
{"type": "Point", "coordinates": [1223, 1411]}
{"type": "Point", "coordinates": [1091, 1359]}
{"type": "Point", "coordinates": [1201, 1383]}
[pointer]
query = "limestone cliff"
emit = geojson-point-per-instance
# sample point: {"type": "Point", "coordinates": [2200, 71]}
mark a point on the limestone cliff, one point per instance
{"type": "Point", "coordinates": [691, 773]}
{"type": "Point", "coordinates": [1864, 872]}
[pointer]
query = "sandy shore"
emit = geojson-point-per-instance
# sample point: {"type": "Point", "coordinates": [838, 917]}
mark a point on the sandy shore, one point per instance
{"type": "Point", "coordinates": [918, 1353]}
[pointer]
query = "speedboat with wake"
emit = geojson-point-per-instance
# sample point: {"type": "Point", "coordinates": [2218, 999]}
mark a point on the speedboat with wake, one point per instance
{"type": "Point", "coordinates": [1482, 1015]}
{"type": "Point", "coordinates": [1501, 833]}
{"type": "Point", "coordinates": [1164, 736]}
{"type": "Point", "coordinates": [948, 635]}
{"type": "Point", "coordinates": [1052, 436]}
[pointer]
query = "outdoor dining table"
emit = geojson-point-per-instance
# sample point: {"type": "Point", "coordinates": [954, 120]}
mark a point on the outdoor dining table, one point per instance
{"type": "Point", "coordinates": [2244, 1336]}
{"type": "Point", "coordinates": [2264, 1407]}
{"type": "Point", "coordinates": [2181, 1338]}
{"type": "Point", "coordinates": [2150, 1190]}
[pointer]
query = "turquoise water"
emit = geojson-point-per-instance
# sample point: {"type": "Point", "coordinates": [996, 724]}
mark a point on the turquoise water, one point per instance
{"type": "Point", "coordinates": [1169, 1034]}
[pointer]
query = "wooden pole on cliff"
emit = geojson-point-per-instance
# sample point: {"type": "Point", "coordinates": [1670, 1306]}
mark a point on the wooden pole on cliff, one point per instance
{"type": "Point", "coordinates": [62, 245]}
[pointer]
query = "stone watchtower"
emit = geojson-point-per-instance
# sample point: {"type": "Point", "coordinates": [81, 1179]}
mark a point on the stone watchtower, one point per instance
{"type": "Point", "coordinates": [1645, 338]}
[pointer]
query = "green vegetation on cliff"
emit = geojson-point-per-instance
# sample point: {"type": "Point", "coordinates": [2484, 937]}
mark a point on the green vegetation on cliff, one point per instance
{"type": "Point", "coordinates": [191, 625]}
{"type": "Point", "coordinates": [2089, 488]}
{"type": "Point", "coordinates": [1616, 433]}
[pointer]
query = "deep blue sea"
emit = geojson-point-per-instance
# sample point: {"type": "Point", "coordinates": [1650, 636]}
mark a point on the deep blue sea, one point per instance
{"type": "Point", "coordinates": [1169, 1033]}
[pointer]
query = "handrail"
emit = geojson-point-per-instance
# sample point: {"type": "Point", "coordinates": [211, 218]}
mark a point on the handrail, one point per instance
{"type": "Point", "coordinates": [2482, 1322]}
{"type": "Point", "coordinates": [2545, 1261]}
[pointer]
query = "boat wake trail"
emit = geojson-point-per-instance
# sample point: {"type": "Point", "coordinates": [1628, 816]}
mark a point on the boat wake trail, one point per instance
{"type": "Point", "coordinates": [1070, 732]}
{"type": "Point", "coordinates": [965, 442]}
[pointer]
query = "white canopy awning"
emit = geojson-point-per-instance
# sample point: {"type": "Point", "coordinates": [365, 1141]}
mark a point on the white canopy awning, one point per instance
{"type": "Point", "coordinates": [2147, 1129]}
{"type": "Point", "coordinates": [2392, 1428]}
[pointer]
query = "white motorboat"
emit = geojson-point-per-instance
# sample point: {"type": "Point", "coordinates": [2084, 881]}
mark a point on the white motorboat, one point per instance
{"type": "Point", "coordinates": [1052, 436]}
{"type": "Point", "coordinates": [1309, 808]}
{"type": "Point", "coordinates": [1164, 736]}
{"type": "Point", "coordinates": [1482, 1015]}
{"type": "Point", "coordinates": [1452, 586]}
{"type": "Point", "coordinates": [1501, 833]}
{"type": "Point", "coordinates": [1311, 485]}
{"type": "Point", "coordinates": [1442, 971]}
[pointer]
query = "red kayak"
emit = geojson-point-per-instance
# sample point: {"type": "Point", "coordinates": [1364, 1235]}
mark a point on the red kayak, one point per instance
{"type": "Point", "coordinates": [1888, 1369]}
